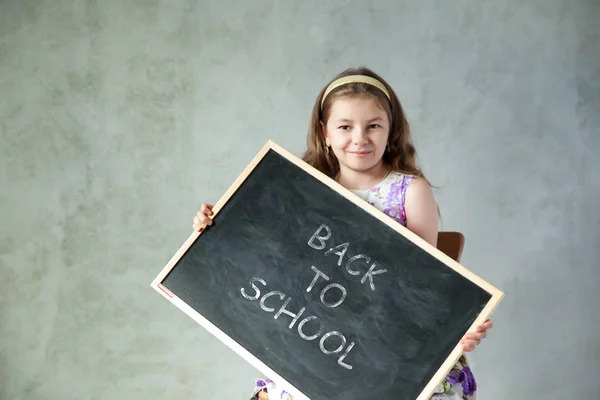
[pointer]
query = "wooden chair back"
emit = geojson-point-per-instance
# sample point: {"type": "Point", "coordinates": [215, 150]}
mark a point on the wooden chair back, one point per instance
{"type": "Point", "coordinates": [451, 244]}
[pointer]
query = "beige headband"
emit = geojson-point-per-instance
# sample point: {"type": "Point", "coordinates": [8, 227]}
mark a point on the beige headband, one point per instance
{"type": "Point", "coordinates": [355, 78]}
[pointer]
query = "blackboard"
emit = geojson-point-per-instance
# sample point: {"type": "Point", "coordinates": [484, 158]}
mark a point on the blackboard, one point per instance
{"type": "Point", "coordinates": [322, 292]}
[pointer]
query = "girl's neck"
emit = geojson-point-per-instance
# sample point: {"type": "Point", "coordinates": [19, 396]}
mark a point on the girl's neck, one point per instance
{"type": "Point", "coordinates": [361, 180]}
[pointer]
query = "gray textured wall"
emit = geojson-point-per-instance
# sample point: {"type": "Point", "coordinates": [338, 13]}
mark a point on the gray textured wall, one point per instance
{"type": "Point", "coordinates": [118, 118]}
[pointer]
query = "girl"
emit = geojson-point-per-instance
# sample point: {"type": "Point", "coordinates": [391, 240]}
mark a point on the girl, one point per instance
{"type": "Point", "coordinates": [359, 136]}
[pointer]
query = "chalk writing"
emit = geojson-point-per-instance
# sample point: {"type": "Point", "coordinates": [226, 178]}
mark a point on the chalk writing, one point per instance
{"type": "Point", "coordinates": [331, 285]}
{"type": "Point", "coordinates": [318, 241]}
{"type": "Point", "coordinates": [340, 251]}
{"type": "Point", "coordinates": [296, 317]}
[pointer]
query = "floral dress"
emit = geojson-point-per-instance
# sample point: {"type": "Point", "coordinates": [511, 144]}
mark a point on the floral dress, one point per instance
{"type": "Point", "coordinates": [388, 196]}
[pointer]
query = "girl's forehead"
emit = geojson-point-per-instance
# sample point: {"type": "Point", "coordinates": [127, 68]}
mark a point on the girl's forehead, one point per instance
{"type": "Point", "coordinates": [356, 107]}
{"type": "Point", "coordinates": [354, 99]}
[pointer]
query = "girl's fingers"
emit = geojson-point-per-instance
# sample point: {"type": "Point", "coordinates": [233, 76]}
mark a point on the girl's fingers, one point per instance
{"type": "Point", "coordinates": [202, 219]}
{"type": "Point", "coordinates": [473, 339]}
{"type": "Point", "coordinates": [485, 326]}
{"type": "Point", "coordinates": [199, 226]}
{"type": "Point", "coordinates": [467, 348]}
{"type": "Point", "coordinates": [476, 335]}
{"type": "Point", "coordinates": [469, 345]}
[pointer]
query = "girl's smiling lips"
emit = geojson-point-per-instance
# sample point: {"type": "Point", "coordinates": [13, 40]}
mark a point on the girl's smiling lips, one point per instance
{"type": "Point", "coordinates": [360, 153]}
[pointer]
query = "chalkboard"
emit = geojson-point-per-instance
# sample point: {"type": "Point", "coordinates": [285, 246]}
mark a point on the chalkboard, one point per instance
{"type": "Point", "coordinates": [322, 292]}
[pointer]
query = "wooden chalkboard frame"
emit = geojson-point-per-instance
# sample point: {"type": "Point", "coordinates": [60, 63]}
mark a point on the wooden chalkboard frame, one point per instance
{"type": "Point", "coordinates": [496, 294]}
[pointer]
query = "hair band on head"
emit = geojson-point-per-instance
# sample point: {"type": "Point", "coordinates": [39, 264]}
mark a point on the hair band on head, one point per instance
{"type": "Point", "coordinates": [355, 79]}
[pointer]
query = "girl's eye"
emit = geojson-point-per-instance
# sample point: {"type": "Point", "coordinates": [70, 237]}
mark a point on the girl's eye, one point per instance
{"type": "Point", "coordinates": [344, 127]}
{"type": "Point", "coordinates": [374, 126]}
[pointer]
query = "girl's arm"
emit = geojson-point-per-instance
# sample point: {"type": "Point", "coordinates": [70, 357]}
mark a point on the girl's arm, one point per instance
{"type": "Point", "coordinates": [421, 210]}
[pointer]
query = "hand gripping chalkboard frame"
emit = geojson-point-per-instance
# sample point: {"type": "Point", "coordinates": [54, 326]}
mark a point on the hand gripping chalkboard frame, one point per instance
{"type": "Point", "coordinates": [212, 278]}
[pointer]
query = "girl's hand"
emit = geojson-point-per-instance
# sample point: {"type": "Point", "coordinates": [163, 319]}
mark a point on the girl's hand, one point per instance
{"type": "Point", "coordinates": [472, 339]}
{"type": "Point", "coordinates": [202, 220]}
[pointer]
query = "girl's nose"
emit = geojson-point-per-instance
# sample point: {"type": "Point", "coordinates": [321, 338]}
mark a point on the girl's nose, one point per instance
{"type": "Point", "coordinates": [359, 136]}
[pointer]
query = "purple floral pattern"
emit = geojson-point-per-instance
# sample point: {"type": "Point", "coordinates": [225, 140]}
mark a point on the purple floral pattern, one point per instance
{"type": "Point", "coordinates": [395, 199]}
{"type": "Point", "coordinates": [460, 382]}
{"type": "Point", "coordinates": [389, 196]}
{"type": "Point", "coordinates": [265, 385]}
{"type": "Point", "coordinates": [466, 378]}
{"type": "Point", "coordinates": [260, 385]}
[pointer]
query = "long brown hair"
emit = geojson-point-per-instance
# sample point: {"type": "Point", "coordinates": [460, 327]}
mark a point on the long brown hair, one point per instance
{"type": "Point", "coordinates": [400, 155]}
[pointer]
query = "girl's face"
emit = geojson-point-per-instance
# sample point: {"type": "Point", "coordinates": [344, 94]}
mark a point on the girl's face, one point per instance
{"type": "Point", "coordinates": [357, 131]}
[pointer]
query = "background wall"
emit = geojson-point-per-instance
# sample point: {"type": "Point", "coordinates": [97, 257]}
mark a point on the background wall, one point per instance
{"type": "Point", "coordinates": [119, 118]}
